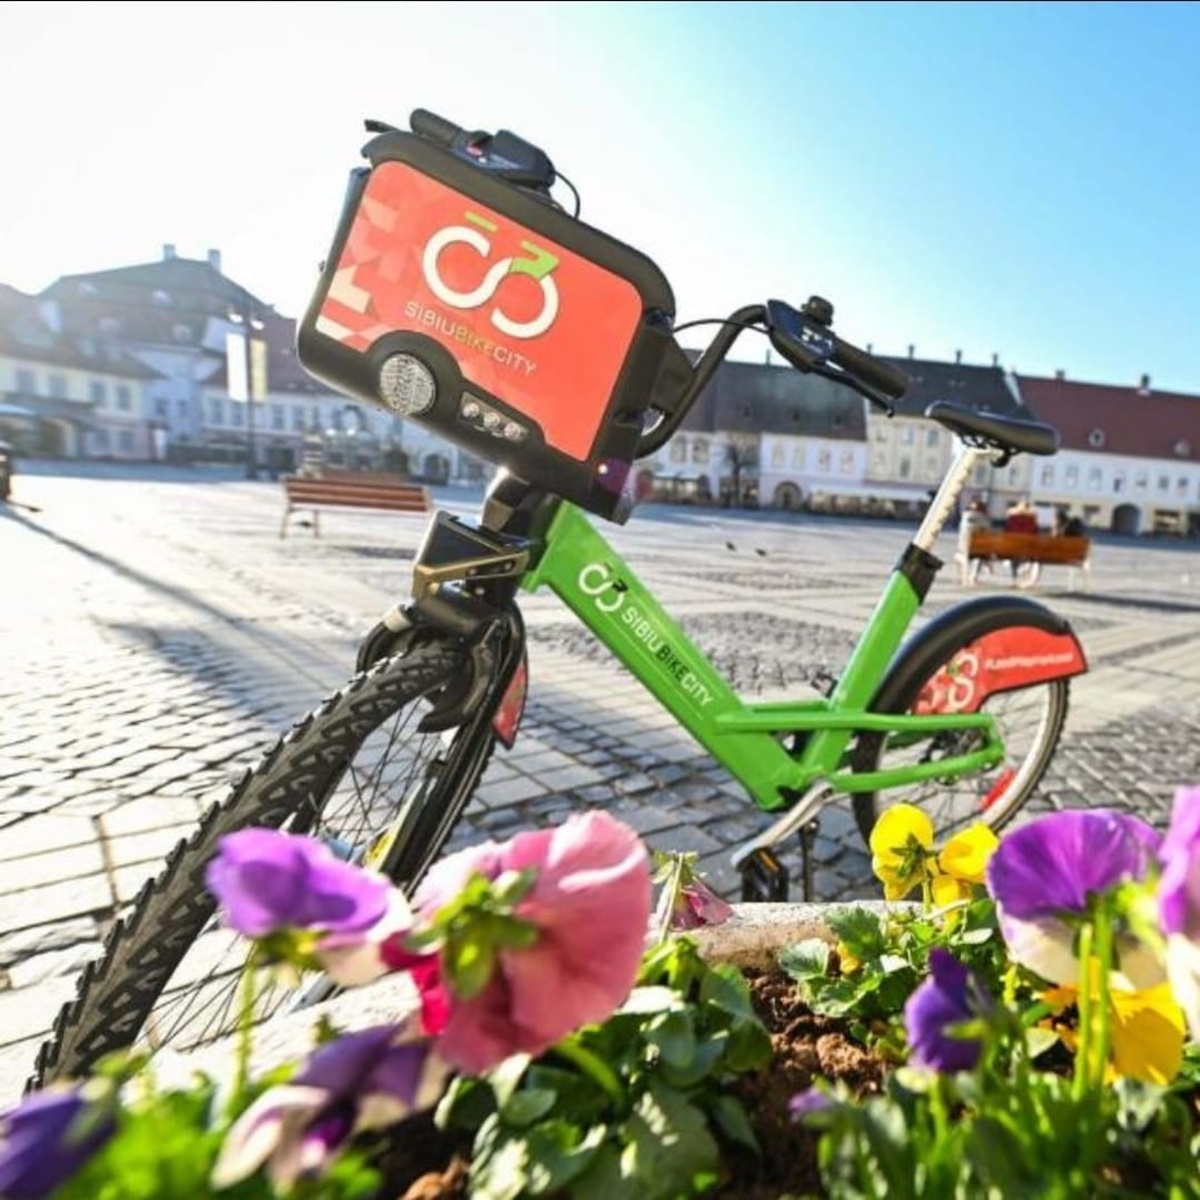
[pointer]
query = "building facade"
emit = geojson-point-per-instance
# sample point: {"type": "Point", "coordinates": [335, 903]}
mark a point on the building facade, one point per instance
{"type": "Point", "coordinates": [1130, 457]}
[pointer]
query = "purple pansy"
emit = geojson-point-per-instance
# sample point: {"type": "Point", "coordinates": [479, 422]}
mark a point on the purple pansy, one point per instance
{"type": "Point", "coordinates": [1179, 902]}
{"type": "Point", "coordinates": [811, 1100]}
{"type": "Point", "coordinates": [366, 1080]}
{"type": "Point", "coordinates": [1042, 875]}
{"type": "Point", "coordinates": [47, 1138]}
{"type": "Point", "coordinates": [949, 997]}
{"type": "Point", "coordinates": [266, 880]}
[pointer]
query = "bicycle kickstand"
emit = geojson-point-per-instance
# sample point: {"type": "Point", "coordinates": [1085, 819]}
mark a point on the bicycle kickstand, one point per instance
{"type": "Point", "coordinates": [765, 878]}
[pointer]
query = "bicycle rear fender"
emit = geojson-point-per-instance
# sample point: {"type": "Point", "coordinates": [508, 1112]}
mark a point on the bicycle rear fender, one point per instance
{"type": "Point", "coordinates": [985, 646]}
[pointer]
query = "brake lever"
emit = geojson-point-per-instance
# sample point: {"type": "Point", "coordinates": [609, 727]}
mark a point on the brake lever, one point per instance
{"type": "Point", "coordinates": [868, 393]}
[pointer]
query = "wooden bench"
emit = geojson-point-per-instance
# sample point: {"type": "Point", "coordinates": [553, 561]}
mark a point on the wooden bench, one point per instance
{"type": "Point", "coordinates": [365, 490]}
{"type": "Point", "coordinates": [1035, 549]}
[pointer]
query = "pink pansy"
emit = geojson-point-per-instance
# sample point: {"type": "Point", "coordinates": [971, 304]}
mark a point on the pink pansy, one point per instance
{"type": "Point", "coordinates": [590, 905]}
{"type": "Point", "coordinates": [426, 973]}
{"type": "Point", "coordinates": [1179, 902]}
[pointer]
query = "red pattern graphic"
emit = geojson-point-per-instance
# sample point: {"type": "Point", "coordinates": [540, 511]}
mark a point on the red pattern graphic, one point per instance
{"type": "Point", "coordinates": [563, 378]}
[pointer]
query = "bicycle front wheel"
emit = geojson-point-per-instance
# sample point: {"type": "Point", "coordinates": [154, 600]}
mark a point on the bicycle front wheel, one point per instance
{"type": "Point", "coordinates": [356, 772]}
{"type": "Point", "coordinates": [947, 675]}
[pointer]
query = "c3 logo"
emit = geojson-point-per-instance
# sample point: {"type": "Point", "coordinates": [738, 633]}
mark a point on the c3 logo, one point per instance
{"type": "Point", "coordinates": [539, 267]}
{"type": "Point", "coordinates": [607, 593]}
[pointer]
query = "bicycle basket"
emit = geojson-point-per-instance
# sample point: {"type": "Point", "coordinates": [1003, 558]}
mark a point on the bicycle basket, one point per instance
{"type": "Point", "coordinates": [507, 326]}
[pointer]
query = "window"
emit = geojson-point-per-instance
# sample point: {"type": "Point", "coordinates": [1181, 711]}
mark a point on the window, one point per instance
{"type": "Point", "coordinates": [1118, 481]}
{"type": "Point", "coordinates": [97, 392]}
{"type": "Point", "coordinates": [181, 407]}
{"type": "Point", "coordinates": [124, 397]}
{"type": "Point", "coordinates": [933, 438]}
{"type": "Point", "coordinates": [125, 441]}
{"type": "Point", "coordinates": [1164, 483]}
{"type": "Point", "coordinates": [700, 450]}
{"type": "Point", "coordinates": [1072, 480]}
{"type": "Point", "coordinates": [678, 451]}
{"type": "Point", "coordinates": [907, 435]}
{"type": "Point", "coordinates": [58, 386]}
{"type": "Point", "coordinates": [1096, 439]}
{"type": "Point", "coordinates": [778, 454]}
{"type": "Point", "coordinates": [1095, 479]}
{"type": "Point", "coordinates": [824, 460]}
{"type": "Point", "coordinates": [846, 462]}
{"type": "Point", "coordinates": [160, 407]}
{"type": "Point", "coordinates": [1141, 481]}
{"type": "Point", "coordinates": [880, 433]}
{"type": "Point", "coordinates": [100, 441]}
{"type": "Point", "coordinates": [216, 412]}
{"type": "Point", "coordinates": [878, 463]}
{"type": "Point", "coordinates": [904, 467]}
{"type": "Point", "coordinates": [980, 478]}
{"type": "Point", "coordinates": [298, 418]}
{"type": "Point", "coordinates": [276, 416]}
{"type": "Point", "coordinates": [1047, 475]}
{"type": "Point", "coordinates": [933, 468]}
{"type": "Point", "coordinates": [237, 414]}
{"type": "Point", "coordinates": [798, 455]}
{"type": "Point", "coordinates": [26, 381]}
{"type": "Point", "coordinates": [1181, 485]}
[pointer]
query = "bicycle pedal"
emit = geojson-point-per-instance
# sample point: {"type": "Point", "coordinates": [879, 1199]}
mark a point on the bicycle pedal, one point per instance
{"type": "Point", "coordinates": [764, 878]}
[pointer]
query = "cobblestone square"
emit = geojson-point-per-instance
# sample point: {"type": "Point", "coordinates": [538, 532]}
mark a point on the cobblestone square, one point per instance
{"type": "Point", "coordinates": [156, 636]}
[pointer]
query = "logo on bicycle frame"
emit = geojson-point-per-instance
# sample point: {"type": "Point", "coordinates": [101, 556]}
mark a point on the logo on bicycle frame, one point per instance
{"type": "Point", "coordinates": [539, 266]}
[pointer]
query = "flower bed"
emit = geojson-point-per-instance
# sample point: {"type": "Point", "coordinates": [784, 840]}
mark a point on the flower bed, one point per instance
{"type": "Point", "coordinates": [1021, 1030]}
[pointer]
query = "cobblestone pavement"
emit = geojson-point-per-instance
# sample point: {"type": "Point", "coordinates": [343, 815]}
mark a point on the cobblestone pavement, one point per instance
{"type": "Point", "coordinates": [156, 636]}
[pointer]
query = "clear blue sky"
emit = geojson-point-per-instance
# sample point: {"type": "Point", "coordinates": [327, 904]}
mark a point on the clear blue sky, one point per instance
{"type": "Point", "coordinates": [1020, 179]}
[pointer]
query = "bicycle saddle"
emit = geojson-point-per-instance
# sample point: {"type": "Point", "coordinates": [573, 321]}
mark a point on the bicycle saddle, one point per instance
{"type": "Point", "coordinates": [1006, 433]}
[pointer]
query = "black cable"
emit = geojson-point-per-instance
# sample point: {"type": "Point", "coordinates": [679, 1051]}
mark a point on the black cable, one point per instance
{"type": "Point", "coordinates": [758, 326]}
{"type": "Point", "coordinates": [574, 192]}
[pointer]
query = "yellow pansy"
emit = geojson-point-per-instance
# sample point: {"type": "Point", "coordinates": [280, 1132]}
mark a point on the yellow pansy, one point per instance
{"type": "Point", "coordinates": [847, 962]}
{"type": "Point", "coordinates": [901, 850]}
{"type": "Point", "coordinates": [1146, 1032]}
{"type": "Point", "coordinates": [965, 856]}
{"type": "Point", "coordinates": [946, 890]}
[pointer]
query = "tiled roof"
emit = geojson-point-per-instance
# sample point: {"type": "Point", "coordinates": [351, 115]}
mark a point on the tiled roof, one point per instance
{"type": "Point", "coordinates": [762, 398]}
{"type": "Point", "coordinates": [1134, 421]}
{"type": "Point", "coordinates": [981, 388]}
{"type": "Point", "coordinates": [149, 303]}
{"type": "Point", "coordinates": [24, 334]}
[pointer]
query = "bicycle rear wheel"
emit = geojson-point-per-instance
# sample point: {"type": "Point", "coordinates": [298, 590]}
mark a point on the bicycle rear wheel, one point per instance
{"type": "Point", "coordinates": [937, 678]}
{"type": "Point", "coordinates": [356, 768]}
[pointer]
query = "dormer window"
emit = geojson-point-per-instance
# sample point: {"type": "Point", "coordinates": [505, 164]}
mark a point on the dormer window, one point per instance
{"type": "Point", "coordinates": [1183, 449]}
{"type": "Point", "coordinates": [161, 298]}
{"type": "Point", "coordinates": [1096, 439]}
{"type": "Point", "coordinates": [182, 333]}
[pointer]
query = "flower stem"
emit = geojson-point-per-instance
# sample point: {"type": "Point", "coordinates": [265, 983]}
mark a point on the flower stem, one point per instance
{"type": "Point", "coordinates": [1083, 1049]}
{"type": "Point", "coordinates": [245, 1031]}
{"type": "Point", "coordinates": [1103, 1017]}
{"type": "Point", "coordinates": [594, 1067]}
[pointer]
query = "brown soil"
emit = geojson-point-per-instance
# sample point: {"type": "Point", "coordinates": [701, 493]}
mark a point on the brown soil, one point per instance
{"type": "Point", "coordinates": [807, 1047]}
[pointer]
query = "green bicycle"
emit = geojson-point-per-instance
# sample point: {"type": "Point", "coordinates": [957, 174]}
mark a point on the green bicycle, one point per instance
{"type": "Point", "coordinates": [962, 718]}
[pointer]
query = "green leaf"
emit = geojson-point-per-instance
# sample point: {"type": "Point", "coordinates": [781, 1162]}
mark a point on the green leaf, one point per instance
{"type": "Point", "coordinates": [806, 960]}
{"type": "Point", "coordinates": [526, 1106]}
{"type": "Point", "coordinates": [506, 1077]}
{"type": "Point", "coordinates": [733, 1122]}
{"type": "Point", "coordinates": [668, 1147]}
{"type": "Point", "coordinates": [858, 928]}
{"type": "Point", "coordinates": [674, 1038]}
{"type": "Point", "coordinates": [652, 1000]}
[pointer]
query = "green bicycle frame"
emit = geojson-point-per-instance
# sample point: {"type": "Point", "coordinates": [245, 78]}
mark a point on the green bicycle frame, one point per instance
{"type": "Point", "coordinates": [776, 750]}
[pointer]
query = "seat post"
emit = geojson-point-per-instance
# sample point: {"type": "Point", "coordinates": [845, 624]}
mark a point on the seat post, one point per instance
{"type": "Point", "coordinates": [966, 458]}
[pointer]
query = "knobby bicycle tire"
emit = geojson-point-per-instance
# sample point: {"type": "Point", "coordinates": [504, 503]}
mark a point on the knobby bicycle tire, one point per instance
{"type": "Point", "coordinates": [294, 785]}
{"type": "Point", "coordinates": [1030, 719]}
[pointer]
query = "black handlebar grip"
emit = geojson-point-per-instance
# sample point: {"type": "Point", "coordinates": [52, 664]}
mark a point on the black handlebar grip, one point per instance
{"type": "Point", "coordinates": [430, 125]}
{"type": "Point", "coordinates": [869, 370]}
